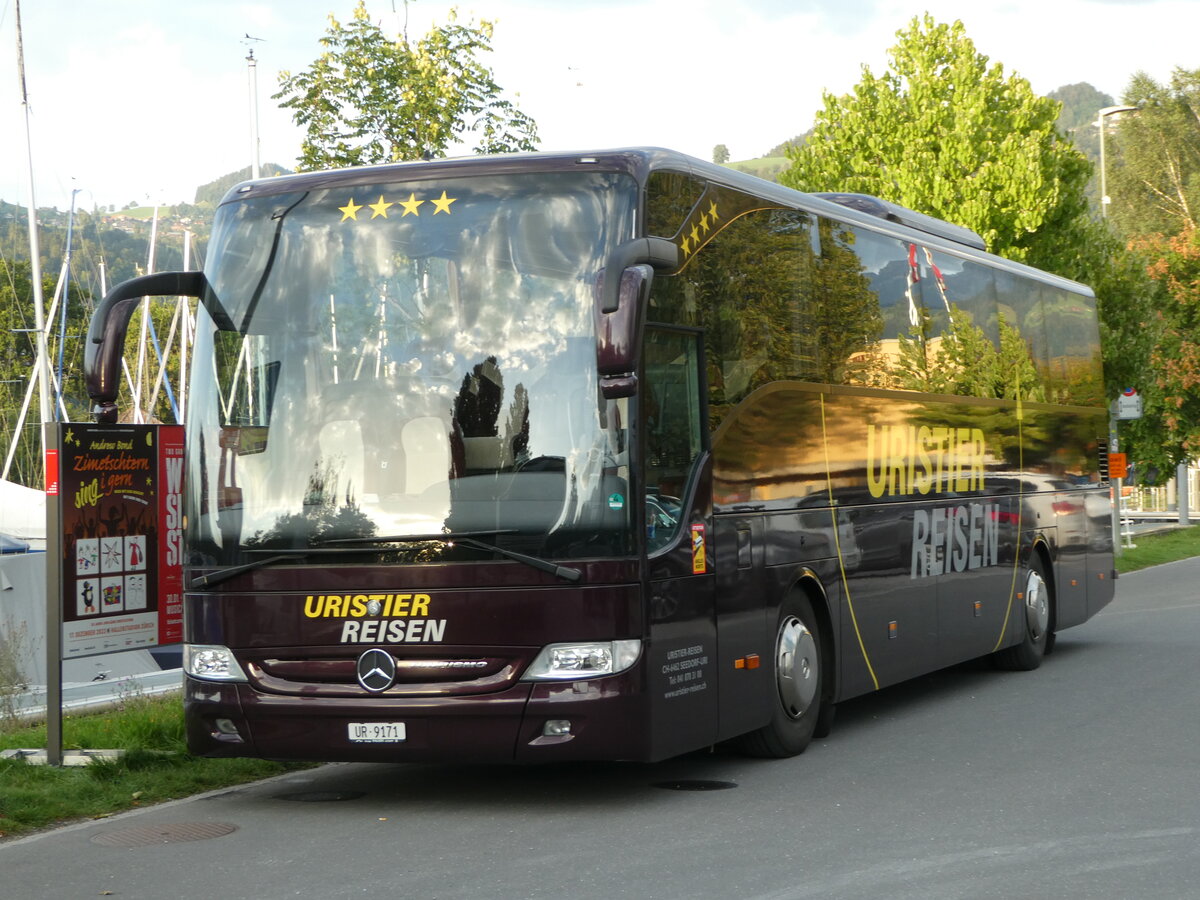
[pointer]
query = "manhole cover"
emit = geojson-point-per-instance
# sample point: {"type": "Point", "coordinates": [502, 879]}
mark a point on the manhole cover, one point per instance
{"type": "Point", "coordinates": [176, 833]}
{"type": "Point", "coordinates": [320, 796]}
{"type": "Point", "coordinates": [696, 785]}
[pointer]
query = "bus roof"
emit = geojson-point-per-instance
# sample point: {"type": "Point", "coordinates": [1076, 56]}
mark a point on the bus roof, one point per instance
{"type": "Point", "coordinates": [858, 209]}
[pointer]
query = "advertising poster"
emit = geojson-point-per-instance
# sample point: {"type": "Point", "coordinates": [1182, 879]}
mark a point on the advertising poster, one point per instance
{"type": "Point", "coordinates": [120, 490]}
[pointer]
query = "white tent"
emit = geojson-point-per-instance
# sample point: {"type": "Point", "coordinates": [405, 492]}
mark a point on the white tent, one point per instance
{"type": "Point", "coordinates": [23, 513]}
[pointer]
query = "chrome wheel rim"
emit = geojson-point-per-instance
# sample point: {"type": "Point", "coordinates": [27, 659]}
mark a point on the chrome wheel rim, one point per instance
{"type": "Point", "coordinates": [1037, 605]}
{"type": "Point", "coordinates": [796, 667]}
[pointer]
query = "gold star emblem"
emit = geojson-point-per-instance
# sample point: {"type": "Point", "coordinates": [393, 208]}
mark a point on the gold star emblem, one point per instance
{"type": "Point", "coordinates": [380, 208]}
{"type": "Point", "coordinates": [686, 246]}
{"type": "Point", "coordinates": [410, 205]}
{"type": "Point", "coordinates": [712, 210]}
{"type": "Point", "coordinates": [69, 437]}
{"type": "Point", "coordinates": [704, 223]}
{"type": "Point", "coordinates": [695, 235]}
{"type": "Point", "coordinates": [350, 210]}
{"type": "Point", "coordinates": [442, 204]}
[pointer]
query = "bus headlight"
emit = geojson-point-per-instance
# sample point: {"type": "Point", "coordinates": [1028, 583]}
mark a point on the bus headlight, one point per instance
{"type": "Point", "coordinates": [591, 659]}
{"type": "Point", "coordinates": [211, 663]}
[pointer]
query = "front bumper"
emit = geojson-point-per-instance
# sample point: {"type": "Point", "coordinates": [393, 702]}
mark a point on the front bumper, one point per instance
{"type": "Point", "coordinates": [607, 719]}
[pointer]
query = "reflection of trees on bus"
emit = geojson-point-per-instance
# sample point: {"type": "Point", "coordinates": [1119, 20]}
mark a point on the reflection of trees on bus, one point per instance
{"type": "Point", "coordinates": [845, 318]}
{"type": "Point", "coordinates": [773, 308]}
{"type": "Point", "coordinates": [326, 513]}
{"type": "Point", "coordinates": [964, 361]}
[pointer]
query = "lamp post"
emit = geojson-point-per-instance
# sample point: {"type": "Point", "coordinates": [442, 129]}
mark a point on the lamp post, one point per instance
{"type": "Point", "coordinates": [1104, 201]}
{"type": "Point", "coordinates": [1104, 114]}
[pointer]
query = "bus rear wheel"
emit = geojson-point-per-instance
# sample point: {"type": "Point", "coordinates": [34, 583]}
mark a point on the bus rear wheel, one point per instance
{"type": "Point", "coordinates": [797, 686]}
{"type": "Point", "coordinates": [1037, 610]}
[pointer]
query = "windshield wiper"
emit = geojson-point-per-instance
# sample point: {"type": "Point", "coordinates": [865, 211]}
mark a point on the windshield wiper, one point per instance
{"type": "Point", "coordinates": [542, 565]}
{"type": "Point", "coordinates": [349, 546]}
{"type": "Point", "coordinates": [278, 556]}
{"type": "Point", "coordinates": [468, 539]}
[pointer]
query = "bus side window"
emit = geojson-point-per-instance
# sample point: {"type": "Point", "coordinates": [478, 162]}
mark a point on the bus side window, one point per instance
{"type": "Point", "coordinates": [673, 426]}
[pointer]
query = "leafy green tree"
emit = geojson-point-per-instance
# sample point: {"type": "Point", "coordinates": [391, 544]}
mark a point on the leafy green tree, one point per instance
{"type": "Point", "coordinates": [1173, 383]}
{"type": "Point", "coordinates": [720, 154]}
{"type": "Point", "coordinates": [945, 133]}
{"type": "Point", "coordinates": [1150, 301]}
{"type": "Point", "coordinates": [1154, 167]}
{"type": "Point", "coordinates": [370, 99]}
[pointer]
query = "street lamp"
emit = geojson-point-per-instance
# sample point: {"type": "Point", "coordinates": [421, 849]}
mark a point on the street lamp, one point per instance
{"type": "Point", "coordinates": [1104, 114]}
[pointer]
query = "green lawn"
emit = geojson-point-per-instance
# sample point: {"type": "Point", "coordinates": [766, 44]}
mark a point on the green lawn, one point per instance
{"type": "Point", "coordinates": [155, 767]}
{"type": "Point", "coordinates": [1166, 546]}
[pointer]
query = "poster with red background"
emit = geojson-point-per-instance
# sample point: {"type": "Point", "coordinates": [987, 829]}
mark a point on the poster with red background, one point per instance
{"type": "Point", "coordinates": [120, 496]}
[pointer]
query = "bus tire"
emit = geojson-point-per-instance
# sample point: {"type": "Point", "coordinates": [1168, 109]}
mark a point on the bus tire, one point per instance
{"type": "Point", "coordinates": [1037, 611]}
{"type": "Point", "coordinates": [797, 686]}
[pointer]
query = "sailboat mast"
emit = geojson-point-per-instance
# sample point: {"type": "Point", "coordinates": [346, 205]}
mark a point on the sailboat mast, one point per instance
{"type": "Point", "coordinates": [42, 370]}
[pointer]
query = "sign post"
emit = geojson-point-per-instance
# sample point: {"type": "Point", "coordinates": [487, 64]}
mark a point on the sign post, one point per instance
{"type": "Point", "coordinates": [52, 440]}
{"type": "Point", "coordinates": [1125, 407]}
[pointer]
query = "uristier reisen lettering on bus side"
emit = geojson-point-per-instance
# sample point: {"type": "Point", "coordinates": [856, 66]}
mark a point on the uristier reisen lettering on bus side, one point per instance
{"type": "Point", "coordinates": [927, 460]}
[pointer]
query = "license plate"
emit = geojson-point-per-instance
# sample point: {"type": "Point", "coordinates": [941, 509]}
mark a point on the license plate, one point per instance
{"type": "Point", "coordinates": [376, 732]}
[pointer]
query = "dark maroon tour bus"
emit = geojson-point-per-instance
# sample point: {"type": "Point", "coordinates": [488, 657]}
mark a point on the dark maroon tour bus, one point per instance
{"type": "Point", "coordinates": [611, 456]}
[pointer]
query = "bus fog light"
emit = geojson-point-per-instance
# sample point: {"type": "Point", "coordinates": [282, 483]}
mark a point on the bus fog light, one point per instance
{"type": "Point", "coordinates": [211, 663]}
{"type": "Point", "coordinates": [589, 659]}
{"type": "Point", "coordinates": [226, 726]}
{"type": "Point", "coordinates": [556, 727]}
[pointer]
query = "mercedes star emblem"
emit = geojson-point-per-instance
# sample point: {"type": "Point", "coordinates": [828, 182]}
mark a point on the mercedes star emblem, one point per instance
{"type": "Point", "coordinates": [376, 670]}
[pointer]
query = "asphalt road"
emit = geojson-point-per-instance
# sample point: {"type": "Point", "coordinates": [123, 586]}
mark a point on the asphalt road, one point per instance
{"type": "Point", "coordinates": [1078, 780]}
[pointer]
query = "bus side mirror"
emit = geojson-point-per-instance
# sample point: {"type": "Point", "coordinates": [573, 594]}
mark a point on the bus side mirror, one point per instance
{"type": "Point", "coordinates": [106, 333]}
{"type": "Point", "coordinates": [660, 254]}
{"type": "Point", "coordinates": [619, 334]}
{"type": "Point", "coordinates": [620, 309]}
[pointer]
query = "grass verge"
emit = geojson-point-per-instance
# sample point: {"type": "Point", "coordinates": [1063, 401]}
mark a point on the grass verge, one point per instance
{"type": "Point", "coordinates": [156, 767]}
{"type": "Point", "coordinates": [1164, 547]}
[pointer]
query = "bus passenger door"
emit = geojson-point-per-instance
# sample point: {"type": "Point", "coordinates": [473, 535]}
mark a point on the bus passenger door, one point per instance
{"type": "Point", "coordinates": [677, 480]}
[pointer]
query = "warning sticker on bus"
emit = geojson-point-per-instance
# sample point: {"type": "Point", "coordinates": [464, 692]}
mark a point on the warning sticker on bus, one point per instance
{"type": "Point", "coordinates": [699, 557]}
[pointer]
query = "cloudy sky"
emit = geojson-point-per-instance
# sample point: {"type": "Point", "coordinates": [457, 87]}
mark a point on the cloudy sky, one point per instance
{"type": "Point", "coordinates": [143, 100]}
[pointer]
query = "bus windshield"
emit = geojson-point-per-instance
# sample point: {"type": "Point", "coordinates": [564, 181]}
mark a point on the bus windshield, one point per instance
{"type": "Point", "coordinates": [409, 359]}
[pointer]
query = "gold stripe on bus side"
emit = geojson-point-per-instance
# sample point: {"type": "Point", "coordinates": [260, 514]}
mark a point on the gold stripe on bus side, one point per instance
{"type": "Point", "coordinates": [1012, 591]}
{"type": "Point", "coordinates": [838, 545]}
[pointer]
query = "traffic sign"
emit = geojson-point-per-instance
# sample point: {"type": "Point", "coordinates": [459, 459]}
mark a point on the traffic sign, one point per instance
{"type": "Point", "coordinates": [1129, 404]}
{"type": "Point", "coordinates": [1117, 465]}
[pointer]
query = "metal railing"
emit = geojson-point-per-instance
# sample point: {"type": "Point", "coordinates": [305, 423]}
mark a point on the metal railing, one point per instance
{"type": "Point", "coordinates": [1162, 500]}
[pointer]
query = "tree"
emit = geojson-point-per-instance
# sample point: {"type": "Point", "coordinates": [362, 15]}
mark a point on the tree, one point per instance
{"type": "Point", "coordinates": [944, 133]}
{"type": "Point", "coordinates": [1174, 378]}
{"type": "Point", "coordinates": [368, 99]}
{"type": "Point", "coordinates": [1154, 179]}
{"type": "Point", "coordinates": [1154, 170]}
{"type": "Point", "coordinates": [720, 154]}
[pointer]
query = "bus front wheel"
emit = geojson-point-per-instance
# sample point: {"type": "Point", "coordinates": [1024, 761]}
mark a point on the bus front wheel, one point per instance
{"type": "Point", "coordinates": [797, 685]}
{"type": "Point", "coordinates": [1037, 616]}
